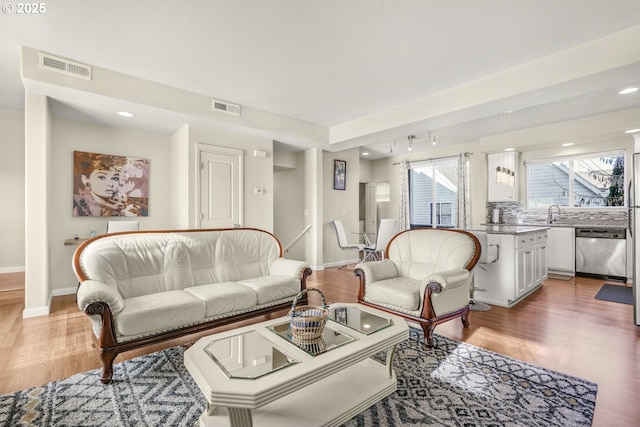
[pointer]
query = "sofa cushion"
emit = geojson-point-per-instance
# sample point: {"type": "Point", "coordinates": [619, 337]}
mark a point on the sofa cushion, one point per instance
{"type": "Point", "coordinates": [244, 254]}
{"type": "Point", "coordinates": [273, 288]}
{"type": "Point", "coordinates": [157, 312]}
{"type": "Point", "coordinates": [422, 252]}
{"type": "Point", "coordinates": [401, 292]}
{"type": "Point", "coordinates": [225, 297]}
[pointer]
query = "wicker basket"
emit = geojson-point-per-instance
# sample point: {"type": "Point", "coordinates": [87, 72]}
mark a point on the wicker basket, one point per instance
{"type": "Point", "coordinates": [308, 321]}
{"type": "Point", "coordinates": [313, 347]}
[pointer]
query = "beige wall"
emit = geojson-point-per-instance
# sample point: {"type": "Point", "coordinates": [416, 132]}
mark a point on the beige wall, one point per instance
{"type": "Point", "coordinates": [340, 204]}
{"type": "Point", "coordinates": [533, 143]}
{"type": "Point", "coordinates": [38, 201]}
{"type": "Point", "coordinates": [258, 171]}
{"type": "Point", "coordinates": [12, 176]}
{"type": "Point", "coordinates": [289, 205]}
{"type": "Point", "coordinates": [168, 175]}
{"type": "Point", "coordinates": [70, 136]}
{"type": "Point", "coordinates": [278, 210]}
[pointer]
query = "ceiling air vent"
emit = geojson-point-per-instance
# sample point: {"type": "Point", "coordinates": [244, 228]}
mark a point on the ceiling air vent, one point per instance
{"type": "Point", "coordinates": [226, 107]}
{"type": "Point", "coordinates": [65, 66]}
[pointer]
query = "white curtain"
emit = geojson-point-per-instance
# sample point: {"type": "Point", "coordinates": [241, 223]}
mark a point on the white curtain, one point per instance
{"type": "Point", "coordinates": [464, 204]}
{"type": "Point", "coordinates": [403, 214]}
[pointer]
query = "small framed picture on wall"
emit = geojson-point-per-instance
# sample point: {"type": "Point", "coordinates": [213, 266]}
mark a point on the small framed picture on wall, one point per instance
{"type": "Point", "coordinates": [339, 175]}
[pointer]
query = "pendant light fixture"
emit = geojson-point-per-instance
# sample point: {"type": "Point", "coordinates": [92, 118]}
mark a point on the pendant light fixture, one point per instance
{"type": "Point", "coordinates": [504, 175]}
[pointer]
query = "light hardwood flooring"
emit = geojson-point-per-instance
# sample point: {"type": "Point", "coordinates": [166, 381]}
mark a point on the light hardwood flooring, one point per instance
{"type": "Point", "coordinates": [560, 327]}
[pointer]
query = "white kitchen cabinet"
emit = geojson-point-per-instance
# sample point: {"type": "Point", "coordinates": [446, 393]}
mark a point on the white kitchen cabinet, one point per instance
{"type": "Point", "coordinates": [541, 262]}
{"type": "Point", "coordinates": [520, 269]}
{"type": "Point", "coordinates": [524, 271]}
{"type": "Point", "coordinates": [561, 249]}
{"type": "Point", "coordinates": [501, 192]}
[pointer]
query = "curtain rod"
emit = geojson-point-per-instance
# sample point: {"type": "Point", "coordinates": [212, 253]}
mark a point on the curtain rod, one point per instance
{"type": "Point", "coordinates": [466, 154]}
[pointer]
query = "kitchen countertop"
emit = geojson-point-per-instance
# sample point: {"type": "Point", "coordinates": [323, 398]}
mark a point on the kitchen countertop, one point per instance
{"type": "Point", "coordinates": [610, 224]}
{"type": "Point", "coordinates": [513, 228]}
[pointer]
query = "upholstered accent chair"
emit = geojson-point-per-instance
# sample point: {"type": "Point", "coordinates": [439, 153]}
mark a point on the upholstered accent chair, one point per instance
{"type": "Point", "coordinates": [426, 278]}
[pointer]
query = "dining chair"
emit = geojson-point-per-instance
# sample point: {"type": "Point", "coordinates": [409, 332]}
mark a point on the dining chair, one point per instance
{"type": "Point", "coordinates": [386, 230]}
{"type": "Point", "coordinates": [115, 226]}
{"type": "Point", "coordinates": [344, 243]}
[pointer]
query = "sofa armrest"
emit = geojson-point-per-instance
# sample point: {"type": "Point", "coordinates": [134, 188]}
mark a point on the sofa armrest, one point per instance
{"type": "Point", "coordinates": [439, 283]}
{"type": "Point", "coordinates": [377, 270]}
{"type": "Point", "coordinates": [370, 272]}
{"type": "Point", "coordinates": [288, 267]}
{"type": "Point", "coordinates": [449, 279]}
{"type": "Point", "coordinates": [93, 291]}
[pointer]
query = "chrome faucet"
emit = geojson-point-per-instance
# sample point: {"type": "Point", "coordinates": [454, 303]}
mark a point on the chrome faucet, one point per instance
{"type": "Point", "coordinates": [550, 214]}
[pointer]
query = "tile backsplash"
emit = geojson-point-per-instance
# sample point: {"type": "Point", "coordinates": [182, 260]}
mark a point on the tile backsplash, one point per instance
{"type": "Point", "coordinates": [514, 213]}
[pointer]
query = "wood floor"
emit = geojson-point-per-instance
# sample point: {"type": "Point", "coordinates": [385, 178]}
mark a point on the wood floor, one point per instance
{"type": "Point", "coordinates": [560, 327]}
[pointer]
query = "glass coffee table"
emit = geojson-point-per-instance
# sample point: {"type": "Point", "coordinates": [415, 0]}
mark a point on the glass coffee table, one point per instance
{"type": "Point", "coordinates": [259, 375]}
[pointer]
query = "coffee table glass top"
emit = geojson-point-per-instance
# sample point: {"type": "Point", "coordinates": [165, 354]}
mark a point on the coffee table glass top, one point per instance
{"type": "Point", "coordinates": [331, 339]}
{"type": "Point", "coordinates": [359, 320]}
{"type": "Point", "coordinates": [248, 355]}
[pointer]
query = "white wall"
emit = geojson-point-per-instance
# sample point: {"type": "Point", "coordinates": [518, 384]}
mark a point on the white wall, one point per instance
{"type": "Point", "coordinates": [12, 176]}
{"type": "Point", "coordinates": [70, 136]}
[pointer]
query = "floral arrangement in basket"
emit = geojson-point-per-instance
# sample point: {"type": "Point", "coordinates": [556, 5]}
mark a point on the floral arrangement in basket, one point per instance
{"type": "Point", "coordinates": [308, 321]}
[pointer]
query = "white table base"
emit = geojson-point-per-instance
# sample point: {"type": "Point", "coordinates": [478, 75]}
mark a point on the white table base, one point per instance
{"type": "Point", "coordinates": [328, 402]}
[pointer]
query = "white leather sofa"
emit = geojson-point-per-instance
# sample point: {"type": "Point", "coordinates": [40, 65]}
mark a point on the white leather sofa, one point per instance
{"type": "Point", "coordinates": [426, 279]}
{"type": "Point", "coordinates": [140, 288]}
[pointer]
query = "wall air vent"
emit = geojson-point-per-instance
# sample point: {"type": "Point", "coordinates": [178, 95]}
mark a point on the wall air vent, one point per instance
{"type": "Point", "coordinates": [225, 107]}
{"type": "Point", "coordinates": [65, 66]}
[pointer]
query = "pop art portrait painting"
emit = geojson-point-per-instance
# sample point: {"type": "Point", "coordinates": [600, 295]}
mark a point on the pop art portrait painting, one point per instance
{"type": "Point", "coordinates": [109, 185]}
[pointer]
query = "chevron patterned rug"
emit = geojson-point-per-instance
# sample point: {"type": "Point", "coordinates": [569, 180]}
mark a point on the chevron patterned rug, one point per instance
{"type": "Point", "coordinates": [455, 384]}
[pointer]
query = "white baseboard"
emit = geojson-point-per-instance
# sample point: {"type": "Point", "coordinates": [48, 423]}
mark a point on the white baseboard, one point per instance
{"type": "Point", "coordinates": [64, 291]}
{"type": "Point", "coordinates": [18, 269]}
{"type": "Point", "coordinates": [342, 263]}
{"type": "Point", "coordinates": [38, 311]}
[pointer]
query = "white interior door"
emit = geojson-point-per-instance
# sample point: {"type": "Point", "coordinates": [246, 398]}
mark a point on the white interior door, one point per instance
{"type": "Point", "coordinates": [220, 190]}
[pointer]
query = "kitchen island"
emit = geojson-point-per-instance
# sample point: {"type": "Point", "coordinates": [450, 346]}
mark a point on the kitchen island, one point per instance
{"type": "Point", "coordinates": [520, 268]}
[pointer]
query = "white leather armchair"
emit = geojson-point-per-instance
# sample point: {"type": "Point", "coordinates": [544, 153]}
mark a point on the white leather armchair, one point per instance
{"type": "Point", "coordinates": [427, 277]}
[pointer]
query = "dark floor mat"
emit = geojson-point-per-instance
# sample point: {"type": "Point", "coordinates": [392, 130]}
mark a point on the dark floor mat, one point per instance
{"type": "Point", "coordinates": [615, 293]}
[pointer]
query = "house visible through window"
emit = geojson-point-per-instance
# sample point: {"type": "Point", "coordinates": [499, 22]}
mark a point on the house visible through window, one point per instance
{"type": "Point", "coordinates": [443, 213]}
{"type": "Point", "coordinates": [588, 181]}
{"type": "Point", "coordinates": [433, 193]}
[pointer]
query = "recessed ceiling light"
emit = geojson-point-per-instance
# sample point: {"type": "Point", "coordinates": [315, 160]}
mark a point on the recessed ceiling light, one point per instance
{"type": "Point", "coordinates": [567, 144]}
{"type": "Point", "coordinates": [508, 149]}
{"type": "Point", "coordinates": [365, 154]}
{"type": "Point", "coordinates": [125, 114]}
{"type": "Point", "coordinates": [632, 131]}
{"type": "Point", "coordinates": [628, 90]}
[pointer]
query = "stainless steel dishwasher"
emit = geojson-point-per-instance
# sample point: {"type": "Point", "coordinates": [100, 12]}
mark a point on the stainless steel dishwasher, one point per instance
{"type": "Point", "coordinates": [601, 252]}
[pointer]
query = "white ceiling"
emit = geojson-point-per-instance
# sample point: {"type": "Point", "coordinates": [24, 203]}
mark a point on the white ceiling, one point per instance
{"type": "Point", "coordinates": [332, 62]}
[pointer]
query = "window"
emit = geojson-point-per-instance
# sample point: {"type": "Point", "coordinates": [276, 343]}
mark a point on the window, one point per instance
{"type": "Point", "coordinates": [383, 192]}
{"type": "Point", "coordinates": [443, 213]}
{"type": "Point", "coordinates": [588, 181]}
{"type": "Point", "coordinates": [433, 193]}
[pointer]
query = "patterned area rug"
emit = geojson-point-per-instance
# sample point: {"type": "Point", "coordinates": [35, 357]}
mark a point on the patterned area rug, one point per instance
{"type": "Point", "coordinates": [454, 384]}
{"type": "Point", "coordinates": [457, 384]}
